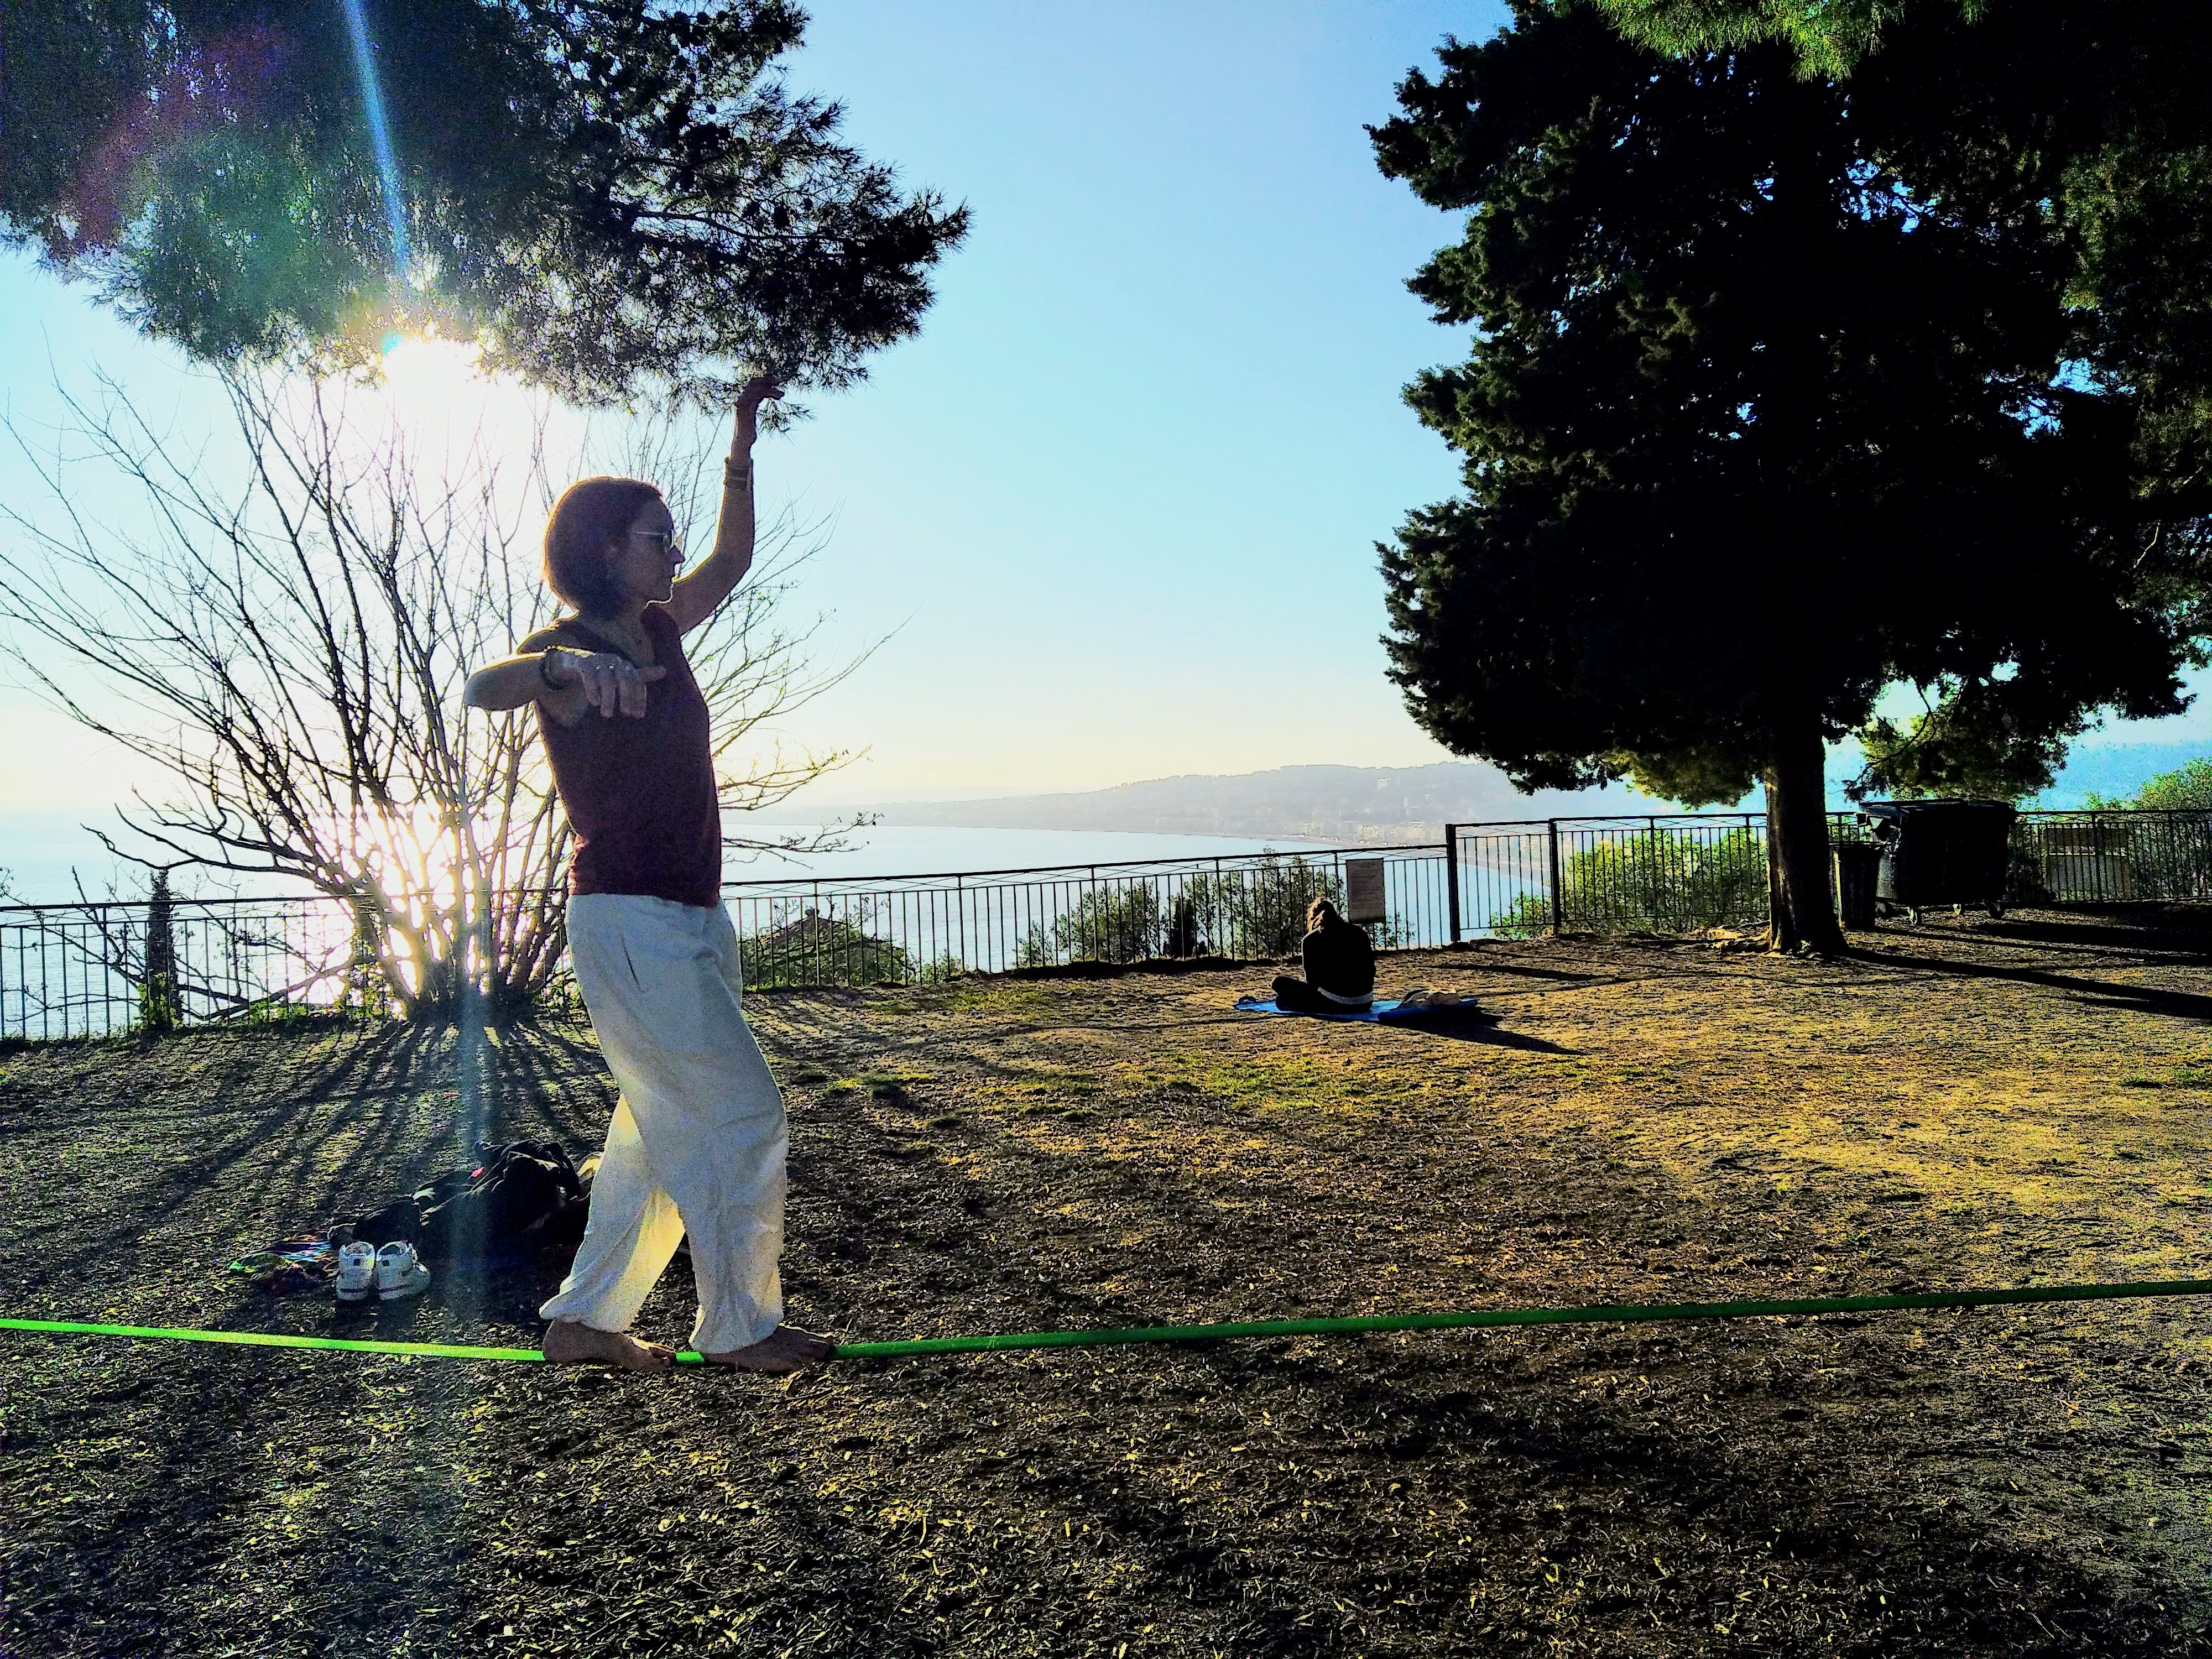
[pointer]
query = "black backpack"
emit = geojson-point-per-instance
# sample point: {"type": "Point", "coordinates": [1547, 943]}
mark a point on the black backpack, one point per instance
{"type": "Point", "coordinates": [525, 1196]}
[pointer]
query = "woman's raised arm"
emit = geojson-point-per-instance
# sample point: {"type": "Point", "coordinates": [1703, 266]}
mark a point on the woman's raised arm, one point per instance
{"type": "Point", "coordinates": [699, 591]}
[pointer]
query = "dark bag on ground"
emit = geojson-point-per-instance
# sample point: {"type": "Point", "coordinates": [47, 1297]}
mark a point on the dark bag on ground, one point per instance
{"type": "Point", "coordinates": [525, 1197]}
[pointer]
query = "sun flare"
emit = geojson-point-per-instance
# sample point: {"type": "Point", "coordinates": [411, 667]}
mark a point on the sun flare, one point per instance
{"type": "Point", "coordinates": [418, 369]}
{"type": "Point", "coordinates": [437, 392]}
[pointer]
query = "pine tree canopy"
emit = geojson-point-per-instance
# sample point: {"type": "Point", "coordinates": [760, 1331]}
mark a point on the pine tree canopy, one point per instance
{"type": "Point", "coordinates": [1828, 36]}
{"type": "Point", "coordinates": [2095, 118]}
{"type": "Point", "coordinates": [605, 194]}
{"type": "Point", "coordinates": [1756, 423]}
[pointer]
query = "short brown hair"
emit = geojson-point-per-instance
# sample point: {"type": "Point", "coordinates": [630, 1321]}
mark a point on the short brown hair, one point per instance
{"type": "Point", "coordinates": [1320, 913]}
{"type": "Point", "coordinates": [590, 516]}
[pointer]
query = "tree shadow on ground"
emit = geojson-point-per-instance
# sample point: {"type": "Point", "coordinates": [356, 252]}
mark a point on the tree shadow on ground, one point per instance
{"type": "Point", "coordinates": [552, 1084]}
{"type": "Point", "coordinates": [266, 1147]}
{"type": "Point", "coordinates": [1768, 1497]}
{"type": "Point", "coordinates": [1399, 1495]}
{"type": "Point", "coordinates": [1594, 1490]}
{"type": "Point", "coordinates": [2184, 932]}
{"type": "Point", "coordinates": [2112, 994]}
{"type": "Point", "coordinates": [1524, 971]}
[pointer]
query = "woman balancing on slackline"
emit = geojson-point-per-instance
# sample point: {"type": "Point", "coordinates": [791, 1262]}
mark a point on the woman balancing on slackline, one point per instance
{"type": "Point", "coordinates": [698, 1138]}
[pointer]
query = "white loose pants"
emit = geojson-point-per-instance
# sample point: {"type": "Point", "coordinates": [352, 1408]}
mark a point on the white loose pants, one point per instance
{"type": "Point", "coordinates": [698, 1140]}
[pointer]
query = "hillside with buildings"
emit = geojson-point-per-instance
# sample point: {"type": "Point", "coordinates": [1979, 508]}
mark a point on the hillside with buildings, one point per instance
{"type": "Point", "coordinates": [1306, 803]}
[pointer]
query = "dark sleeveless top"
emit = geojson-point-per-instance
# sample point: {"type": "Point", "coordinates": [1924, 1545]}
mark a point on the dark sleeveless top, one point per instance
{"type": "Point", "coordinates": [639, 793]}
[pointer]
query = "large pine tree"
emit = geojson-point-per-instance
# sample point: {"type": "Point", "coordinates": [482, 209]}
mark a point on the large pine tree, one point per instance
{"type": "Point", "coordinates": [1753, 429]}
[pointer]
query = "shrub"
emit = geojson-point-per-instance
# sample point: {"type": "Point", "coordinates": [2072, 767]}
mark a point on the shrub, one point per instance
{"type": "Point", "coordinates": [2188, 789]}
{"type": "Point", "coordinates": [819, 950]}
{"type": "Point", "coordinates": [1261, 909]}
{"type": "Point", "coordinates": [1651, 881]}
{"type": "Point", "coordinates": [1108, 924]}
{"type": "Point", "coordinates": [1258, 909]}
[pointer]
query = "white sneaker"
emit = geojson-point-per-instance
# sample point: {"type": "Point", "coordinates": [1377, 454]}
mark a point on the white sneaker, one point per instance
{"type": "Point", "coordinates": [398, 1274]}
{"type": "Point", "coordinates": [356, 1271]}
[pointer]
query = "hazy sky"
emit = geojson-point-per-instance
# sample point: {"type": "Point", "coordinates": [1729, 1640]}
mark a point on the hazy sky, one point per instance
{"type": "Point", "coordinates": [1114, 509]}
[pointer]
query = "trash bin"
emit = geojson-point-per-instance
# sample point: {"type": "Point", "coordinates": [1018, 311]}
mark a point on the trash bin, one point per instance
{"type": "Point", "coordinates": [1943, 852]}
{"type": "Point", "coordinates": [1858, 870]}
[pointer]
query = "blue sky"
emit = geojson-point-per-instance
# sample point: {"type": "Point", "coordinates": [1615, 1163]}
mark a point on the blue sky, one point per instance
{"type": "Point", "coordinates": [1114, 508]}
{"type": "Point", "coordinates": [1120, 500]}
{"type": "Point", "coordinates": [1111, 516]}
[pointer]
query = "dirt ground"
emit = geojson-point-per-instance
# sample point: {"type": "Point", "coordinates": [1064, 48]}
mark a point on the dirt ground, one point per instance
{"type": "Point", "coordinates": [1970, 1103]}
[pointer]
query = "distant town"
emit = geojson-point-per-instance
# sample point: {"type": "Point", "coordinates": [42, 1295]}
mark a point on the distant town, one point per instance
{"type": "Point", "coordinates": [1386, 804]}
{"type": "Point", "coordinates": [1338, 804]}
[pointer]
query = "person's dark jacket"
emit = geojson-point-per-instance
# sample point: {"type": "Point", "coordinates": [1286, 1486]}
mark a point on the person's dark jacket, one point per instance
{"type": "Point", "coordinates": [1339, 961]}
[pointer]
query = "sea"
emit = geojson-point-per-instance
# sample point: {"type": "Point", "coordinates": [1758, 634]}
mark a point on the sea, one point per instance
{"type": "Point", "coordinates": [50, 854]}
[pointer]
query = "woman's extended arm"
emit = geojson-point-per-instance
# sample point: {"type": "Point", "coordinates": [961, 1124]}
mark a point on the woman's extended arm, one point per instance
{"type": "Point", "coordinates": [507, 683]}
{"type": "Point", "coordinates": [566, 680]}
{"type": "Point", "coordinates": [699, 592]}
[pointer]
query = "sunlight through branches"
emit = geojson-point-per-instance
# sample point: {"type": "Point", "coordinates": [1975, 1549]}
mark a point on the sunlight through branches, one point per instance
{"type": "Point", "coordinates": [285, 629]}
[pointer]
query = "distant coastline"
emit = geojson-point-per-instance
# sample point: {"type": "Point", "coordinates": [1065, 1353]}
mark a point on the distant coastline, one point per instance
{"type": "Point", "coordinates": [1342, 804]}
{"type": "Point", "coordinates": [1378, 805]}
{"type": "Point", "coordinates": [48, 850]}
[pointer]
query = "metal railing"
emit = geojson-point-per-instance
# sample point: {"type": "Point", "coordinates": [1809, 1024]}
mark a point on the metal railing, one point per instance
{"type": "Point", "coordinates": [931, 926]}
{"type": "Point", "coordinates": [2112, 857]}
{"type": "Point", "coordinates": [89, 970]}
{"type": "Point", "coordinates": [1661, 873]}
{"type": "Point", "coordinates": [96, 969]}
{"type": "Point", "coordinates": [1683, 873]}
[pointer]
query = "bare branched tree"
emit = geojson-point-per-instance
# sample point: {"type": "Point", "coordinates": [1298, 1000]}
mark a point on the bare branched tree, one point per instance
{"type": "Point", "coordinates": [286, 632]}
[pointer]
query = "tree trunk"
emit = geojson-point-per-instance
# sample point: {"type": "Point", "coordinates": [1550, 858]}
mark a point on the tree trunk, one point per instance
{"type": "Point", "coordinates": [1800, 909]}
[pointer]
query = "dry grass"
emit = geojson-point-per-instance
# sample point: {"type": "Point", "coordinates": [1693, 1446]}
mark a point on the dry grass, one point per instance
{"type": "Point", "coordinates": [1647, 1121]}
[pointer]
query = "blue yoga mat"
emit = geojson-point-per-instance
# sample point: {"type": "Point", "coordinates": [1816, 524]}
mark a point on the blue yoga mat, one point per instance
{"type": "Point", "coordinates": [1383, 1012]}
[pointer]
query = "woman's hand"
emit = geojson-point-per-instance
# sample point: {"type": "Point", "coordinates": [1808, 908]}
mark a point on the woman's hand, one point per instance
{"type": "Point", "coordinates": [609, 682]}
{"type": "Point", "coordinates": [755, 392]}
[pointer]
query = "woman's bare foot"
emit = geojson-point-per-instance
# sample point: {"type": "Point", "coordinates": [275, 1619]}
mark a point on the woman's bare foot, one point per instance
{"type": "Point", "coordinates": [784, 1349]}
{"type": "Point", "coordinates": [570, 1341]}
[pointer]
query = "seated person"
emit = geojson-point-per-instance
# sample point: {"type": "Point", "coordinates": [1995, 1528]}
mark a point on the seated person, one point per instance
{"type": "Point", "coordinates": [1340, 966]}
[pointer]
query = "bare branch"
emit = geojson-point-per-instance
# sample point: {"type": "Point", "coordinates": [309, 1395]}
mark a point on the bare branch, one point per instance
{"type": "Point", "coordinates": [284, 626]}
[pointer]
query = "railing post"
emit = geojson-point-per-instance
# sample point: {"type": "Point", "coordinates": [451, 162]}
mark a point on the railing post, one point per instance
{"type": "Point", "coordinates": [1451, 876]}
{"type": "Point", "coordinates": [1559, 906]}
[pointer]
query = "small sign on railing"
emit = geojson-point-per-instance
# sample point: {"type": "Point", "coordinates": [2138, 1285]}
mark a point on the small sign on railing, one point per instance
{"type": "Point", "coordinates": [1363, 891]}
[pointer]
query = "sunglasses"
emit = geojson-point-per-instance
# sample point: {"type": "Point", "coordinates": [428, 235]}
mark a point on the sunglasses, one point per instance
{"type": "Point", "coordinates": [671, 546]}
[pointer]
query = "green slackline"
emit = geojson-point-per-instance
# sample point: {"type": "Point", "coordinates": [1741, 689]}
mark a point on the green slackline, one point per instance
{"type": "Point", "coordinates": [271, 1339]}
{"type": "Point", "coordinates": [1256, 1327]}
